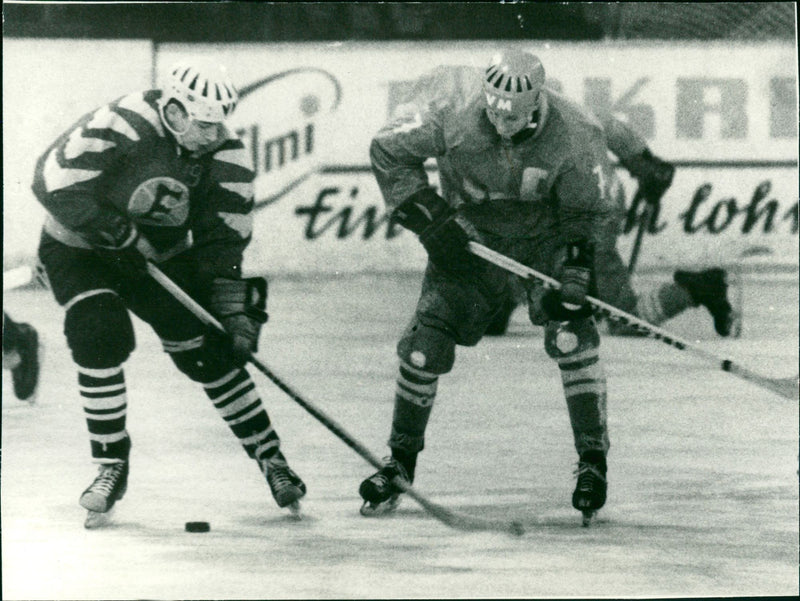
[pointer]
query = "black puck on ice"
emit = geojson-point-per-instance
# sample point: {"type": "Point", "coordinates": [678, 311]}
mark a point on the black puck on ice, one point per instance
{"type": "Point", "coordinates": [197, 527]}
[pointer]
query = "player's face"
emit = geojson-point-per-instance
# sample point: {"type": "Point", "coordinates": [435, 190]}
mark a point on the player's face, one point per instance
{"type": "Point", "coordinates": [193, 135]}
{"type": "Point", "coordinates": [200, 135]}
{"type": "Point", "coordinates": [507, 123]}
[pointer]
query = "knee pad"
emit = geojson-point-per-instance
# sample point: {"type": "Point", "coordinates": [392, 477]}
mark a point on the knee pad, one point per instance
{"type": "Point", "coordinates": [200, 365]}
{"type": "Point", "coordinates": [427, 348]}
{"type": "Point", "coordinates": [99, 331]}
{"type": "Point", "coordinates": [570, 338]}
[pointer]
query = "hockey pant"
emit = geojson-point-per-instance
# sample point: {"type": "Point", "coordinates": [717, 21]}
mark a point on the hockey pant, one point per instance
{"type": "Point", "coordinates": [97, 325]}
{"type": "Point", "coordinates": [455, 310]}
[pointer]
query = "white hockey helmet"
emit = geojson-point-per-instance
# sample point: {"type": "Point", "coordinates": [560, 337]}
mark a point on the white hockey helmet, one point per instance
{"type": "Point", "coordinates": [513, 81]}
{"type": "Point", "coordinates": [205, 91]}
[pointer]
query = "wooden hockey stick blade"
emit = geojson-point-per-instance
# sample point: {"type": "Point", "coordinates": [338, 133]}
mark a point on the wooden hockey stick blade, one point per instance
{"type": "Point", "coordinates": [456, 520]}
{"type": "Point", "coordinates": [785, 387]}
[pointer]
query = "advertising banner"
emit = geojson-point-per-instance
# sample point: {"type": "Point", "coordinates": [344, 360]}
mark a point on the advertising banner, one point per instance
{"type": "Point", "coordinates": [725, 114]}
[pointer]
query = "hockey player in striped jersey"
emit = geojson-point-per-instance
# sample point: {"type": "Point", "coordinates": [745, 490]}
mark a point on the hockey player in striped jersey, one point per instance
{"type": "Point", "coordinates": [526, 172]}
{"type": "Point", "coordinates": [157, 175]}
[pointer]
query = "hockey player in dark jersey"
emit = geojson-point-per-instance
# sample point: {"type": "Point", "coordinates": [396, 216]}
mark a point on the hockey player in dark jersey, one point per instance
{"type": "Point", "coordinates": [526, 172]}
{"type": "Point", "coordinates": [157, 175]}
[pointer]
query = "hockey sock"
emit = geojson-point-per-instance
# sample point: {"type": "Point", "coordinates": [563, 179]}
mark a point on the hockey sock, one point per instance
{"type": "Point", "coordinates": [659, 305]}
{"type": "Point", "coordinates": [413, 402]}
{"type": "Point", "coordinates": [584, 385]}
{"type": "Point", "coordinates": [235, 397]}
{"type": "Point", "coordinates": [407, 460]}
{"type": "Point", "coordinates": [105, 406]}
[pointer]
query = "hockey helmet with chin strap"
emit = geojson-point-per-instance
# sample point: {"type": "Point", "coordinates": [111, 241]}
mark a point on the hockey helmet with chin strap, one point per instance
{"type": "Point", "coordinates": [205, 92]}
{"type": "Point", "coordinates": [512, 83]}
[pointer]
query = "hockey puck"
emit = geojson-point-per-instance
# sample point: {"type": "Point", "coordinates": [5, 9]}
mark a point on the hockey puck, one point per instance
{"type": "Point", "coordinates": [197, 527]}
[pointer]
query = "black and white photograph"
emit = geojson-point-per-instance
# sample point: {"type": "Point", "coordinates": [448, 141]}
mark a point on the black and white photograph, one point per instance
{"type": "Point", "coordinates": [400, 300]}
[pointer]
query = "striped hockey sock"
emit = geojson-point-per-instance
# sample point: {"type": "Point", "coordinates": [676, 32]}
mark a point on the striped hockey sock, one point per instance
{"type": "Point", "coordinates": [413, 402]}
{"type": "Point", "coordinates": [659, 305]}
{"type": "Point", "coordinates": [105, 406]}
{"type": "Point", "coordinates": [584, 384]}
{"type": "Point", "coordinates": [237, 401]}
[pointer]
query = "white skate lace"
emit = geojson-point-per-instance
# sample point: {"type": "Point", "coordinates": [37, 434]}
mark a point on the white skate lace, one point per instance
{"type": "Point", "coordinates": [588, 468]}
{"type": "Point", "coordinates": [387, 473]}
{"type": "Point", "coordinates": [107, 479]}
{"type": "Point", "coordinates": [279, 476]}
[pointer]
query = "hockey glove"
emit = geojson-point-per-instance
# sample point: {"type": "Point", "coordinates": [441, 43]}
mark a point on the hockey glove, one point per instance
{"type": "Point", "coordinates": [442, 231]}
{"type": "Point", "coordinates": [654, 174]}
{"type": "Point", "coordinates": [114, 239]}
{"type": "Point", "coordinates": [240, 306]}
{"type": "Point", "coordinates": [569, 302]}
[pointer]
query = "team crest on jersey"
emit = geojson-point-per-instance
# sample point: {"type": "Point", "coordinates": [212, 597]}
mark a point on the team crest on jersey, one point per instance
{"type": "Point", "coordinates": [160, 201]}
{"type": "Point", "coordinates": [533, 185]}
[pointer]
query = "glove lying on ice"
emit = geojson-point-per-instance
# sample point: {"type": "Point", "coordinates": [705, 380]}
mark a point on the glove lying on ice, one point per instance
{"type": "Point", "coordinates": [114, 239]}
{"type": "Point", "coordinates": [441, 230]}
{"type": "Point", "coordinates": [569, 302]}
{"type": "Point", "coordinates": [240, 306]}
{"type": "Point", "coordinates": [654, 174]}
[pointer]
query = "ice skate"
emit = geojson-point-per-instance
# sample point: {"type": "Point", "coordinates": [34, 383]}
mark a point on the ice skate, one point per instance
{"type": "Point", "coordinates": [710, 289]}
{"type": "Point", "coordinates": [380, 495]}
{"type": "Point", "coordinates": [590, 490]}
{"type": "Point", "coordinates": [25, 363]}
{"type": "Point", "coordinates": [108, 488]}
{"type": "Point", "coordinates": [286, 486]}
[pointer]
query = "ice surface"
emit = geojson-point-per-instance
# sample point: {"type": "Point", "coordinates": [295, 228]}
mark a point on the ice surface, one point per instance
{"type": "Point", "coordinates": [703, 497]}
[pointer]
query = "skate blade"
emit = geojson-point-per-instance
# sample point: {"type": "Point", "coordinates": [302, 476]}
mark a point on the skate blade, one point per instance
{"type": "Point", "coordinates": [294, 511]}
{"type": "Point", "coordinates": [95, 503]}
{"type": "Point", "coordinates": [369, 509]}
{"type": "Point", "coordinates": [95, 519]}
{"type": "Point", "coordinates": [587, 518]}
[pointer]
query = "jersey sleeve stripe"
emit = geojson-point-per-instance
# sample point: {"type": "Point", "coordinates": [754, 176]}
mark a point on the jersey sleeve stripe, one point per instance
{"type": "Point", "coordinates": [77, 144]}
{"type": "Point", "coordinates": [57, 177]}
{"type": "Point", "coordinates": [104, 118]}
{"type": "Point", "coordinates": [240, 223]}
{"type": "Point", "coordinates": [137, 104]}
{"type": "Point", "coordinates": [243, 189]}
{"type": "Point", "coordinates": [235, 156]}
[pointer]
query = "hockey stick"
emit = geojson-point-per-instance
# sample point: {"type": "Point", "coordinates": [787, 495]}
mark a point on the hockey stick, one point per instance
{"type": "Point", "coordinates": [454, 519]}
{"type": "Point", "coordinates": [785, 387]}
{"type": "Point", "coordinates": [644, 220]}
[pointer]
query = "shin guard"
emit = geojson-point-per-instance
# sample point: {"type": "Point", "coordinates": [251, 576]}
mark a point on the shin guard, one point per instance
{"type": "Point", "coordinates": [575, 347]}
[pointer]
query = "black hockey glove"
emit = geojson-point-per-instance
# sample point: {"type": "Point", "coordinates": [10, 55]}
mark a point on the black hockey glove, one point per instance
{"type": "Point", "coordinates": [240, 306]}
{"type": "Point", "coordinates": [569, 302]}
{"type": "Point", "coordinates": [114, 238]}
{"type": "Point", "coordinates": [654, 174]}
{"type": "Point", "coordinates": [442, 231]}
